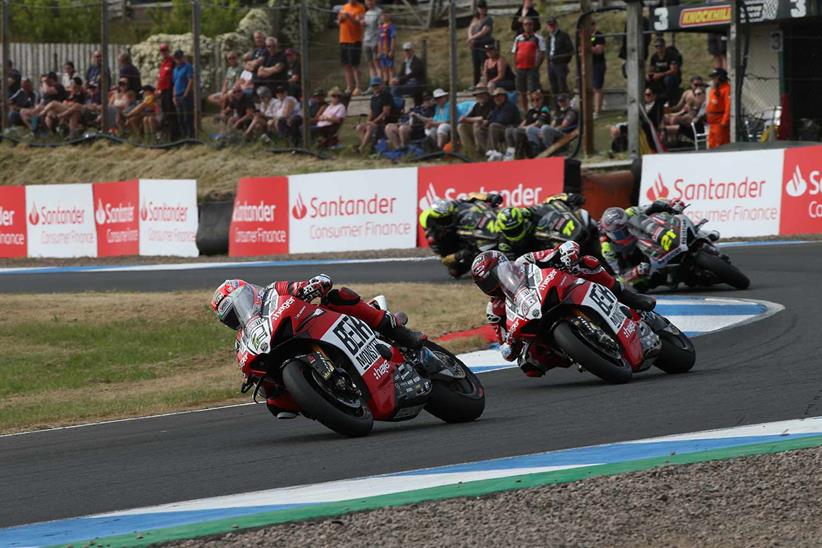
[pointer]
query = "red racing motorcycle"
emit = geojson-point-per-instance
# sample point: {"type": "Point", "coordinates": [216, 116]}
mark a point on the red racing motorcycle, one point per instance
{"type": "Point", "coordinates": [566, 320]}
{"type": "Point", "coordinates": [334, 368]}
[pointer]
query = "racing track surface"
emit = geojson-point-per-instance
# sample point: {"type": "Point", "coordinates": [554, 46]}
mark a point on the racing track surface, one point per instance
{"type": "Point", "coordinates": [765, 371]}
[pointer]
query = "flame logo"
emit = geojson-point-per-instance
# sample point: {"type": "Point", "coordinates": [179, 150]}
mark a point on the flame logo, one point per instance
{"type": "Point", "coordinates": [658, 190]}
{"type": "Point", "coordinates": [796, 185]}
{"type": "Point", "coordinates": [299, 211]}
{"type": "Point", "coordinates": [429, 198]}
{"type": "Point", "coordinates": [34, 217]}
{"type": "Point", "coordinates": [100, 213]}
{"type": "Point", "coordinates": [143, 210]}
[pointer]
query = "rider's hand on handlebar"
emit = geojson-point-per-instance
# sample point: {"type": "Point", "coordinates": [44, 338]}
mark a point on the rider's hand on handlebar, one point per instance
{"type": "Point", "coordinates": [318, 286]}
{"type": "Point", "coordinates": [678, 205]}
{"type": "Point", "coordinates": [569, 254]}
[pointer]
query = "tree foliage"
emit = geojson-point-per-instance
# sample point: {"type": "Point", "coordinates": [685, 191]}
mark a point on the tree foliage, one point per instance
{"type": "Point", "coordinates": [55, 21]}
{"type": "Point", "coordinates": [216, 17]}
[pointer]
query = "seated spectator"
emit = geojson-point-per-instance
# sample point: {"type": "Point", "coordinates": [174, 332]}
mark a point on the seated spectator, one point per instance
{"type": "Point", "coordinates": [473, 127]}
{"type": "Point", "coordinates": [529, 53]}
{"type": "Point", "coordinates": [410, 78]}
{"type": "Point", "coordinates": [655, 113]}
{"type": "Point", "coordinates": [119, 100]}
{"type": "Point", "coordinates": [329, 120]}
{"type": "Point", "coordinates": [678, 118]}
{"type": "Point", "coordinates": [411, 127]}
{"type": "Point", "coordinates": [496, 72]}
{"type": "Point", "coordinates": [130, 73]}
{"type": "Point", "coordinates": [286, 112]}
{"type": "Point", "coordinates": [233, 71]}
{"type": "Point", "coordinates": [664, 74]}
{"type": "Point", "coordinates": [92, 111]}
{"type": "Point", "coordinates": [566, 121]}
{"type": "Point", "coordinates": [383, 110]}
{"type": "Point", "coordinates": [526, 139]}
{"type": "Point", "coordinates": [13, 77]}
{"type": "Point", "coordinates": [24, 98]}
{"type": "Point", "coordinates": [69, 72]}
{"type": "Point", "coordinates": [50, 90]}
{"type": "Point", "coordinates": [503, 116]}
{"type": "Point", "coordinates": [438, 128]}
{"type": "Point", "coordinates": [241, 106]}
{"type": "Point", "coordinates": [67, 110]}
{"type": "Point", "coordinates": [272, 70]}
{"type": "Point", "coordinates": [264, 109]}
{"type": "Point", "coordinates": [293, 72]}
{"type": "Point", "coordinates": [145, 118]}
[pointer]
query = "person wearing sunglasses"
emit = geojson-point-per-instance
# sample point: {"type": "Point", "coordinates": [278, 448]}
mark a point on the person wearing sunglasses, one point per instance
{"type": "Point", "coordinates": [664, 75]}
{"type": "Point", "coordinates": [679, 117]}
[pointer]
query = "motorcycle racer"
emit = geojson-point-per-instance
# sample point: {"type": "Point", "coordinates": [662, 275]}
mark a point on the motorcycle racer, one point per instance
{"type": "Point", "coordinates": [517, 226]}
{"type": "Point", "coordinates": [566, 257]}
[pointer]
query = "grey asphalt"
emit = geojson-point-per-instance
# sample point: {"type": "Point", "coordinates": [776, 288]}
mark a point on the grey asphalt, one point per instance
{"type": "Point", "coordinates": [765, 371]}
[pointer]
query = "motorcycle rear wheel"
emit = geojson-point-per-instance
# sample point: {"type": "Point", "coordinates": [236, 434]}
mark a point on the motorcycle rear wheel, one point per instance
{"type": "Point", "coordinates": [579, 350]}
{"type": "Point", "coordinates": [457, 400]}
{"type": "Point", "coordinates": [300, 382]}
{"type": "Point", "coordinates": [724, 271]}
{"type": "Point", "coordinates": [677, 354]}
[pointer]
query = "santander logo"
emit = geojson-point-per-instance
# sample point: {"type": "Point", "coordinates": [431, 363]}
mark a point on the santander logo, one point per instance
{"type": "Point", "coordinates": [100, 213]}
{"type": "Point", "coordinates": [299, 211]}
{"type": "Point", "coordinates": [108, 214]}
{"type": "Point", "coordinates": [796, 186]}
{"type": "Point", "coordinates": [34, 217]}
{"type": "Point", "coordinates": [518, 195]}
{"type": "Point", "coordinates": [658, 190]}
{"type": "Point", "coordinates": [163, 213]}
{"type": "Point", "coordinates": [56, 216]}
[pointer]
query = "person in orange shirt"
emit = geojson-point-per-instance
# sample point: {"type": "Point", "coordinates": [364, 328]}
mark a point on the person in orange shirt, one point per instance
{"type": "Point", "coordinates": [718, 109]}
{"type": "Point", "coordinates": [351, 20]}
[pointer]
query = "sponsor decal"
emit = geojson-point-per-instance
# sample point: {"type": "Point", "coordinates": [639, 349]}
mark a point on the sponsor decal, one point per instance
{"type": "Point", "coordinates": [60, 221]}
{"type": "Point", "coordinates": [116, 218]}
{"type": "Point", "coordinates": [381, 370]}
{"type": "Point", "coordinates": [259, 222]}
{"type": "Point", "coordinates": [168, 217]}
{"type": "Point", "coordinates": [282, 308]}
{"type": "Point", "coordinates": [12, 221]}
{"type": "Point", "coordinates": [802, 191]}
{"type": "Point", "coordinates": [698, 17]}
{"type": "Point", "coordinates": [357, 340]}
{"type": "Point", "coordinates": [299, 211]}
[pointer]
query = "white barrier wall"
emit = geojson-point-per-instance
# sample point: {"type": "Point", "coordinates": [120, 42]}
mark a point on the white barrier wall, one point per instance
{"type": "Point", "coordinates": [60, 221]}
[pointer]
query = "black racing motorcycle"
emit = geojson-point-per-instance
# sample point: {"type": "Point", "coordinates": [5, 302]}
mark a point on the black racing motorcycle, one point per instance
{"type": "Point", "coordinates": [559, 223]}
{"type": "Point", "coordinates": [460, 243]}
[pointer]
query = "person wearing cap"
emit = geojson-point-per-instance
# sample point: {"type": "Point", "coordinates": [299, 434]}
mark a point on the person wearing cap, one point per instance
{"type": "Point", "coordinates": [664, 74]}
{"type": "Point", "coordinates": [183, 79]}
{"type": "Point", "coordinates": [330, 119]}
{"type": "Point", "coordinates": [473, 127]}
{"type": "Point", "coordinates": [504, 115]}
{"type": "Point", "coordinates": [383, 110]}
{"type": "Point", "coordinates": [411, 126]}
{"type": "Point", "coordinates": [241, 108]}
{"type": "Point", "coordinates": [370, 38]}
{"type": "Point", "coordinates": [293, 72]}
{"type": "Point", "coordinates": [525, 139]}
{"type": "Point", "coordinates": [480, 33]}
{"type": "Point", "coordinates": [529, 53]}
{"type": "Point", "coordinates": [165, 87]}
{"type": "Point", "coordinates": [386, 44]}
{"type": "Point", "coordinates": [144, 118]}
{"type": "Point", "coordinates": [350, 19]}
{"type": "Point", "coordinates": [718, 109]}
{"type": "Point", "coordinates": [560, 52]}
{"type": "Point", "coordinates": [565, 122]}
{"type": "Point", "coordinates": [410, 77]}
{"type": "Point", "coordinates": [496, 72]}
{"type": "Point", "coordinates": [526, 11]}
{"type": "Point", "coordinates": [437, 127]}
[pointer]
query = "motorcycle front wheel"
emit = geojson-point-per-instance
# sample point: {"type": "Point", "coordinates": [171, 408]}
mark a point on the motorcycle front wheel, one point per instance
{"type": "Point", "coordinates": [342, 415]}
{"type": "Point", "coordinates": [724, 271]}
{"type": "Point", "coordinates": [677, 354]}
{"type": "Point", "coordinates": [579, 350]}
{"type": "Point", "coordinates": [455, 400]}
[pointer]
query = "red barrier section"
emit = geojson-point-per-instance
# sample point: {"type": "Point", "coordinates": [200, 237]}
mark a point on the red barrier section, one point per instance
{"type": "Point", "coordinates": [116, 218]}
{"type": "Point", "coordinates": [12, 221]}
{"type": "Point", "coordinates": [802, 191]}
{"type": "Point", "coordinates": [604, 190]}
{"type": "Point", "coordinates": [259, 224]}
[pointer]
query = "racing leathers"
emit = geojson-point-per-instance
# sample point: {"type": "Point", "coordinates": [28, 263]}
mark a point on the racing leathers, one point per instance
{"type": "Point", "coordinates": [515, 243]}
{"type": "Point", "coordinates": [586, 267]}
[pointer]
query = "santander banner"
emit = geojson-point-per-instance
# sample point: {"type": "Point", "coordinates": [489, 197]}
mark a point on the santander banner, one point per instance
{"type": "Point", "coordinates": [168, 217]}
{"type": "Point", "coordinates": [116, 217]}
{"type": "Point", "coordinates": [353, 210]}
{"type": "Point", "coordinates": [12, 221]}
{"type": "Point", "coordinates": [259, 223]}
{"type": "Point", "coordinates": [60, 221]}
{"type": "Point", "coordinates": [802, 191]}
{"type": "Point", "coordinates": [739, 193]}
{"type": "Point", "coordinates": [521, 182]}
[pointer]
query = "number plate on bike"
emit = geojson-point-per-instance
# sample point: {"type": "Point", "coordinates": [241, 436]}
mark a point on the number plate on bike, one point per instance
{"type": "Point", "coordinates": [602, 300]}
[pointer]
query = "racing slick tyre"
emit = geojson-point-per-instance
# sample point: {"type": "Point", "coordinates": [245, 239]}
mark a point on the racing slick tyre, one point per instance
{"type": "Point", "coordinates": [724, 271]}
{"type": "Point", "coordinates": [677, 354]}
{"type": "Point", "coordinates": [349, 418]}
{"type": "Point", "coordinates": [455, 400]}
{"type": "Point", "coordinates": [613, 370]}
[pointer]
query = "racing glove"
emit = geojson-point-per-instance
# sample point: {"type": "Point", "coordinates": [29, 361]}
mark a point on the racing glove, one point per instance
{"type": "Point", "coordinates": [640, 271]}
{"type": "Point", "coordinates": [569, 254]}
{"type": "Point", "coordinates": [318, 286]}
{"type": "Point", "coordinates": [678, 206]}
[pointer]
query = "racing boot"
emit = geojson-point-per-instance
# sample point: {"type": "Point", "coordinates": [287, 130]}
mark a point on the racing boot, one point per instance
{"type": "Point", "coordinates": [631, 298]}
{"type": "Point", "coordinates": [394, 330]}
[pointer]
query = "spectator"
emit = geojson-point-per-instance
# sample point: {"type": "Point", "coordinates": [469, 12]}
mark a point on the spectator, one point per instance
{"type": "Point", "coordinates": [69, 72]}
{"type": "Point", "coordinates": [50, 90]}
{"type": "Point", "coordinates": [663, 74]}
{"type": "Point", "coordinates": [272, 70]}
{"type": "Point", "coordinates": [566, 121]}
{"type": "Point", "coordinates": [654, 112]}
{"type": "Point", "coordinates": [410, 78]}
{"type": "Point", "coordinates": [480, 34]}
{"type": "Point", "coordinates": [371, 28]}
{"type": "Point", "coordinates": [130, 73]}
{"type": "Point", "coordinates": [253, 60]}
{"type": "Point", "coordinates": [718, 48]}
{"type": "Point", "coordinates": [92, 111]}
{"type": "Point", "coordinates": [232, 75]}
{"type": "Point", "coordinates": [118, 101]}
{"type": "Point", "coordinates": [183, 78]}
{"type": "Point", "coordinates": [718, 109]}
{"type": "Point", "coordinates": [23, 98]}
{"type": "Point", "coordinates": [412, 126]}
{"type": "Point", "coordinates": [527, 11]}
{"type": "Point", "coordinates": [525, 139]}
{"type": "Point", "coordinates": [94, 70]}
{"type": "Point", "coordinates": [13, 77]}
{"type": "Point", "coordinates": [144, 119]}
{"type": "Point", "coordinates": [316, 105]}
{"type": "Point", "coordinates": [241, 106]}
{"type": "Point", "coordinates": [287, 117]}
{"type": "Point", "coordinates": [438, 127]}
{"type": "Point", "coordinates": [598, 67]}
{"type": "Point", "coordinates": [383, 111]}
{"type": "Point", "coordinates": [293, 72]}
{"type": "Point", "coordinates": [67, 109]}
{"type": "Point", "coordinates": [529, 53]}
{"type": "Point", "coordinates": [330, 120]}
{"type": "Point", "coordinates": [264, 110]}
{"type": "Point", "coordinates": [387, 36]}
{"type": "Point", "coordinates": [503, 116]}
{"type": "Point", "coordinates": [165, 87]}
{"type": "Point", "coordinates": [560, 51]}
{"type": "Point", "coordinates": [473, 127]}
{"type": "Point", "coordinates": [350, 19]}
{"type": "Point", "coordinates": [496, 72]}
{"type": "Point", "coordinates": [678, 118]}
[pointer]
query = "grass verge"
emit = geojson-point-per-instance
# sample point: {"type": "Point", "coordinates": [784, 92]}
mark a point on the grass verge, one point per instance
{"type": "Point", "coordinates": [83, 357]}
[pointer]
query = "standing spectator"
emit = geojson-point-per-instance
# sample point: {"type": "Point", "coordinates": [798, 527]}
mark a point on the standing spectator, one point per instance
{"type": "Point", "coordinates": [293, 72]}
{"type": "Point", "coordinates": [383, 111]}
{"type": "Point", "coordinates": [411, 127]}
{"type": "Point", "coordinates": [718, 48]}
{"type": "Point", "coordinates": [253, 60]}
{"type": "Point", "coordinates": [94, 70]}
{"type": "Point", "coordinates": [183, 79]}
{"type": "Point", "coordinates": [330, 120]}
{"type": "Point", "coordinates": [598, 67]}
{"type": "Point", "coordinates": [504, 115]}
{"type": "Point", "coordinates": [410, 78]}
{"type": "Point", "coordinates": [232, 75]}
{"type": "Point", "coordinates": [560, 51]}
{"type": "Point", "coordinates": [13, 77]}
{"type": "Point", "coordinates": [473, 127]}
{"type": "Point", "coordinates": [271, 72]}
{"type": "Point", "coordinates": [566, 122]}
{"type": "Point", "coordinates": [130, 73]}
{"type": "Point", "coordinates": [496, 72]}
{"type": "Point", "coordinates": [69, 72]}
{"type": "Point", "coordinates": [165, 87]}
{"type": "Point", "coordinates": [387, 36]}
{"type": "Point", "coordinates": [529, 53]}
{"type": "Point", "coordinates": [23, 98]}
{"type": "Point", "coordinates": [527, 11]}
{"type": "Point", "coordinates": [525, 139]}
{"type": "Point", "coordinates": [664, 74]}
{"type": "Point", "coordinates": [718, 109]}
{"type": "Point", "coordinates": [371, 27]}
{"type": "Point", "coordinates": [350, 19]}
{"type": "Point", "coordinates": [480, 33]}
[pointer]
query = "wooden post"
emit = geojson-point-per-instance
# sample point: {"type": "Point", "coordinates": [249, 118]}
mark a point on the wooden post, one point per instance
{"type": "Point", "coordinates": [104, 83]}
{"type": "Point", "coordinates": [586, 62]}
{"type": "Point", "coordinates": [452, 93]}
{"type": "Point", "coordinates": [195, 31]}
{"type": "Point", "coordinates": [734, 63]}
{"type": "Point", "coordinates": [636, 74]}
{"type": "Point", "coordinates": [304, 71]}
{"type": "Point", "coordinates": [4, 111]}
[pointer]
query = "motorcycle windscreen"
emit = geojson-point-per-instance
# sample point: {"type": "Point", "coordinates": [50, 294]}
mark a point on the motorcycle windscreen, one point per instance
{"type": "Point", "coordinates": [519, 290]}
{"type": "Point", "coordinates": [247, 303]}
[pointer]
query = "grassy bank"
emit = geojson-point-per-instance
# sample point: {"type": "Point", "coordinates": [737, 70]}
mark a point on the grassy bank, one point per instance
{"type": "Point", "coordinates": [81, 357]}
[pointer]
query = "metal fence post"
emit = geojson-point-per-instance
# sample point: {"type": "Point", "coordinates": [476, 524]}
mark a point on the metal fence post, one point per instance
{"type": "Point", "coordinates": [304, 71]}
{"type": "Point", "coordinates": [195, 31]}
{"type": "Point", "coordinates": [452, 94]}
{"type": "Point", "coordinates": [5, 70]}
{"type": "Point", "coordinates": [104, 83]}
